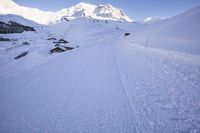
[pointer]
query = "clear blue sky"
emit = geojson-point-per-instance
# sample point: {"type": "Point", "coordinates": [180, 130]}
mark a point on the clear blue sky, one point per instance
{"type": "Point", "coordinates": [135, 9]}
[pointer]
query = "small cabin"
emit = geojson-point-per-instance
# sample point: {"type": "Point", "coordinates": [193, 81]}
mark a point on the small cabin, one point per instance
{"type": "Point", "coordinates": [57, 50]}
{"type": "Point", "coordinates": [68, 48]}
{"type": "Point", "coordinates": [60, 49]}
{"type": "Point", "coordinates": [26, 43]}
{"type": "Point", "coordinates": [51, 39]}
{"type": "Point", "coordinates": [62, 41]}
{"type": "Point", "coordinates": [21, 55]}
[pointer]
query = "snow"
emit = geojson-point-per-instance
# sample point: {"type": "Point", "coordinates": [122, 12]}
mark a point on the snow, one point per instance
{"type": "Point", "coordinates": [18, 19]}
{"type": "Point", "coordinates": [179, 33]}
{"type": "Point", "coordinates": [110, 83]}
{"type": "Point", "coordinates": [102, 12]}
{"type": "Point", "coordinates": [152, 20]}
{"type": "Point", "coordinates": [162, 88]}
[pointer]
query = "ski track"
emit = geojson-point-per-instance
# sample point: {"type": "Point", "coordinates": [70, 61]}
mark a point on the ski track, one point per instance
{"type": "Point", "coordinates": [105, 87]}
{"type": "Point", "coordinates": [95, 104]}
{"type": "Point", "coordinates": [164, 91]}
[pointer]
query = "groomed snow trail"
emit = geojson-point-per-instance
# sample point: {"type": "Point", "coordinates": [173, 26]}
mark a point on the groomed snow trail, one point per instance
{"type": "Point", "coordinates": [162, 87]}
{"type": "Point", "coordinates": [112, 86]}
{"type": "Point", "coordinates": [79, 92]}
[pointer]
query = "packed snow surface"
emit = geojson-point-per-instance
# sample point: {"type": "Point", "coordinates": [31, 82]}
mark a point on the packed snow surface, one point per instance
{"type": "Point", "coordinates": [109, 83]}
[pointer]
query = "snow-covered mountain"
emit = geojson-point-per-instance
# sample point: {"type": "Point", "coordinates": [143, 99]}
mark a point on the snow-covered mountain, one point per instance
{"type": "Point", "coordinates": [105, 12]}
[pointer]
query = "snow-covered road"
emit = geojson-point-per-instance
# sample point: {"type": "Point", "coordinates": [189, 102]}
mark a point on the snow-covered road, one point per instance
{"type": "Point", "coordinates": [105, 87]}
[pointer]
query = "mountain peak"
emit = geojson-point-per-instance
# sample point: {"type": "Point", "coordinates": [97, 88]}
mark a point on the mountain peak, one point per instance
{"type": "Point", "coordinates": [84, 4]}
{"type": "Point", "coordinates": [7, 4]}
{"type": "Point", "coordinates": [104, 12]}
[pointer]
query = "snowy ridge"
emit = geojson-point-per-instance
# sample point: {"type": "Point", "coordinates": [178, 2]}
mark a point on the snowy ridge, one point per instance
{"type": "Point", "coordinates": [105, 12]}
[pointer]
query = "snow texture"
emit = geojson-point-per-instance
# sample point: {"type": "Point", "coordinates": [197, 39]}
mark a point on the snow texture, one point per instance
{"type": "Point", "coordinates": [109, 83]}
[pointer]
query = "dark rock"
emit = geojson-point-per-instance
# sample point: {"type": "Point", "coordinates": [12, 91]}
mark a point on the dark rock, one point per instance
{"type": "Point", "coordinates": [13, 27]}
{"type": "Point", "coordinates": [65, 19]}
{"type": "Point", "coordinates": [26, 43]}
{"type": "Point", "coordinates": [26, 28]}
{"type": "Point", "coordinates": [21, 55]}
{"type": "Point", "coordinates": [127, 34]}
{"type": "Point", "coordinates": [52, 39]}
{"type": "Point", "coordinates": [6, 28]}
{"type": "Point", "coordinates": [4, 39]}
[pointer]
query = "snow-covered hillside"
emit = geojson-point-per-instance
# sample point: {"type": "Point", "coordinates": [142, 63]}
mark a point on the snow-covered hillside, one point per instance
{"type": "Point", "coordinates": [120, 77]}
{"type": "Point", "coordinates": [179, 33]}
{"type": "Point", "coordinates": [75, 31]}
{"type": "Point", "coordinates": [18, 19]}
{"type": "Point", "coordinates": [105, 12]}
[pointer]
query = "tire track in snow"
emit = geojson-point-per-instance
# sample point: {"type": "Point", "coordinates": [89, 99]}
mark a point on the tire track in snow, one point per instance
{"type": "Point", "coordinates": [123, 84]}
{"type": "Point", "coordinates": [154, 83]}
{"type": "Point", "coordinates": [123, 88]}
{"type": "Point", "coordinates": [74, 88]}
{"type": "Point", "coordinates": [92, 98]}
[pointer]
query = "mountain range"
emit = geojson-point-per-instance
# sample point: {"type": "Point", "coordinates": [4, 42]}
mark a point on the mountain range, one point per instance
{"type": "Point", "coordinates": [102, 12]}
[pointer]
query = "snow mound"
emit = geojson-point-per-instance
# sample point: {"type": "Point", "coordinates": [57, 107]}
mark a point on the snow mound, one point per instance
{"type": "Point", "coordinates": [105, 12]}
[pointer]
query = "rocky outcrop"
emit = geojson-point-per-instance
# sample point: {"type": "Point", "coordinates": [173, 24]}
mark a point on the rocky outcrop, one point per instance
{"type": "Point", "coordinates": [4, 39]}
{"type": "Point", "coordinates": [21, 55]}
{"type": "Point", "coordinates": [127, 34]}
{"type": "Point", "coordinates": [13, 27]}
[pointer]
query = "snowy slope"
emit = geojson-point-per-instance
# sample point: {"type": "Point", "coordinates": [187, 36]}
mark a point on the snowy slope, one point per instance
{"type": "Point", "coordinates": [33, 14]}
{"type": "Point", "coordinates": [75, 31]}
{"type": "Point", "coordinates": [18, 19]}
{"type": "Point", "coordinates": [107, 86]}
{"type": "Point", "coordinates": [110, 83]}
{"type": "Point", "coordinates": [179, 33]}
{"type": "Point", "coordinates": [105, 12]}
